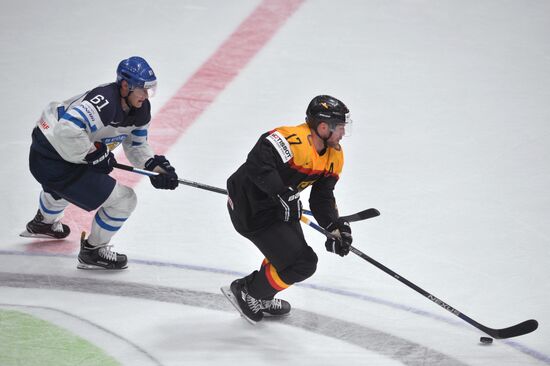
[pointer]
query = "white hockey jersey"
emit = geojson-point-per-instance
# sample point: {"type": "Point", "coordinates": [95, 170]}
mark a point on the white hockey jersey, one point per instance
{"type": "Point", "coordinates": [74, 125]}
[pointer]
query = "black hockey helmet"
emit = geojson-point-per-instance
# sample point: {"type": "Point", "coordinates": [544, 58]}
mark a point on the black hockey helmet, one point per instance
{"type": "Point", "coordinates": [324, 108]}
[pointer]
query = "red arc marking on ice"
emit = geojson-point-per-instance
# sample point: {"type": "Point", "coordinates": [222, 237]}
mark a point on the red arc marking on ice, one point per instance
{"type": "Point", "coordinates": [189, 102]}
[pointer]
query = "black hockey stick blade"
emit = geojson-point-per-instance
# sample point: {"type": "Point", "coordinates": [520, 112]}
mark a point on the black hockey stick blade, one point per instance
{"type": "Point", "coordinates": [525, 327]}
{"type": "Point", "coordinates": [369, 213]}
{"type": "Point", "coordinates": [520, 329]}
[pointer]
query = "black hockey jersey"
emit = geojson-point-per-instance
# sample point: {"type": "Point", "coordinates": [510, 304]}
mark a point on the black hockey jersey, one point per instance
{"type": "Point", "coordinates": [284, 157]}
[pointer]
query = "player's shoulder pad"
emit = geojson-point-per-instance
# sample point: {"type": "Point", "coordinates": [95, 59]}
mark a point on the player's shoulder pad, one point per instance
{"type": "Point", "coordinates": [280, 144]}
{"type": "Point", "coordinates": [105, 99]}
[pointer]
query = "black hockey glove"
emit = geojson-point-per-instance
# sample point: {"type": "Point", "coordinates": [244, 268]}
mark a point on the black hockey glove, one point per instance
{"type": "Point", "coordinates": [290, 207]}
{"type": "Point", "coordinates": [167, 177]}
{"type": "Point", "coordinates": [101, 160]}
{"type": "Point", "coordinates": [342, 242]}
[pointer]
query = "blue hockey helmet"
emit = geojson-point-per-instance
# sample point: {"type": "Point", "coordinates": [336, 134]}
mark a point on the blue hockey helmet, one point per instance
{"type": "Point", "coordinates": [137, 73]}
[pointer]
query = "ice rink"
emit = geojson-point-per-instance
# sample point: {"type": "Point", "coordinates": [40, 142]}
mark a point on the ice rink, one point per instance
{"type": "Point", "coordinates": [451, 142]}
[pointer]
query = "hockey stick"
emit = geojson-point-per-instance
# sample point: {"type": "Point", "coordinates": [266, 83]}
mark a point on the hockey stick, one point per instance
{"type": "Point", "coordinates": [363, 215]}
{"type": "Point", "coordinates": [182, 181]}
{"type": "Point", "coordinates": [525, 327]}
{"type": "Point", "coordinates": [369, 213]}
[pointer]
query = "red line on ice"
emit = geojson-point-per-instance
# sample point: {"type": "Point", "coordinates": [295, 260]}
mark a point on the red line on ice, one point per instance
{"type": "Point", "coordinates": [189, 102]}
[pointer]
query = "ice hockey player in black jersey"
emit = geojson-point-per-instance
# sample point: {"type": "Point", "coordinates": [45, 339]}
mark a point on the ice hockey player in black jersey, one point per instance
{"type": "Point", "coordinates": [264, 204]}
{"type": "Point", "coordinates": [70, 156]}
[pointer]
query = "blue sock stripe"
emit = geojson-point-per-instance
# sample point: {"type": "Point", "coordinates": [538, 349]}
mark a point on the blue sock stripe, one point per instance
{"type": "Point", "coordinates": [49, 212]}
{"type": "Point", "coordinates": [112, 218]}
{"type": "Point", "coordinates": [102, 224]}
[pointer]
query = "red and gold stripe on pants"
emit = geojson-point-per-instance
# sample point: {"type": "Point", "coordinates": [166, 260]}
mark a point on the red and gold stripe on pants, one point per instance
{"type": "Point", "coordinates": [273, 277]}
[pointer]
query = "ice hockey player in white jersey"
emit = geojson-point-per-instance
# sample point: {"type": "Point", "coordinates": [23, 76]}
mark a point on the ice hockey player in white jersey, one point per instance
{"type": "Point", "coordinates": [71, 158]}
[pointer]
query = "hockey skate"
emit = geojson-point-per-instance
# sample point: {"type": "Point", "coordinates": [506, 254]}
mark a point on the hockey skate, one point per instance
{"type": "Point", "coordinates": [36, 228]}
{"type": "Point", "coordinates": [275, 307]}
{"type": "Point", "coordinates": [249, 307]}
{"type": "Point", "coordinates": [100, 257]}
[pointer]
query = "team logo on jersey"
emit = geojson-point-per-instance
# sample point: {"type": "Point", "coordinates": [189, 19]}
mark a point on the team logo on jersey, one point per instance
{"type": "Point", "coordinates": [281, 145]}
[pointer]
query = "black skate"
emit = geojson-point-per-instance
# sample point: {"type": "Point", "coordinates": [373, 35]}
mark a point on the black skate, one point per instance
{"type": "Point", "coordinates": [275, 307]}
{"type": "Point", "coordinates": [100, 257]}
{"type": "Point", "coordinates": [36, 228]}
{"type": "Point", "coordinates": [249, 307]}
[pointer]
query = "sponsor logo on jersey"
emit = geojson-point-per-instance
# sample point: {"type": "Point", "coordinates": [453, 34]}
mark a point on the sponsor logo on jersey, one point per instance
{"type": "Point", "coordinates": [281, 145]}
{"type": "Point", "coordinates": [113, 142]}
{"type": "Point", "coordinates": [44, 124]}
{"type": "Point", "coordinates": [90, 112]}
{"type": "Point", "coordinates": [118, 139]}
{"type": "Point", "coordinates": [303, 185]}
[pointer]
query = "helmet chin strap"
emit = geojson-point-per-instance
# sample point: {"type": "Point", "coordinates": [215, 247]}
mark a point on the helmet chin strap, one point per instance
{"type": "Point", "coordinates": [126, 99]}
{"type": "Point", "coordinates": [325, 143]}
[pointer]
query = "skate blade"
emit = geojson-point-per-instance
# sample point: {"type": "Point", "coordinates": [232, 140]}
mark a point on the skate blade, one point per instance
{"type": "Point", "coordinates": [91, 267]}
{"type": "Point", "coordinates": [229, 295]}
{"type": "Point", "coordinates": [275, 316]}
{"type": "Point", "coordinates": [26, 234]}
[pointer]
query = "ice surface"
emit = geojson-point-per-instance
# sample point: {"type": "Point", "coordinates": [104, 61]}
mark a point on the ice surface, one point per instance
{"type": "Point", "coordinates": [450, 142]}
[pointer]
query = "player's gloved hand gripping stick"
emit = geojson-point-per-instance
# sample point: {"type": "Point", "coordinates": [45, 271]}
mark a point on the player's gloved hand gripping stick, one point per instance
{"type": "Point", "coordinates": [168, 180]}
{"type": "Point", "coordinates": [180, 180]}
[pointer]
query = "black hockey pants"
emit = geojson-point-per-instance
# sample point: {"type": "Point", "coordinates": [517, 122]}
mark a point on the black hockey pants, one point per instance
{"type": "Point", "coordinates": [289, 259]}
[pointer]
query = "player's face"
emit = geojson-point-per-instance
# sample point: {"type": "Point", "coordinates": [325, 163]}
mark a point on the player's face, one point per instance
{"type": "Point", "coordinates": [137, 97]}
{"type": "Point", "coordinates": [337, 134]}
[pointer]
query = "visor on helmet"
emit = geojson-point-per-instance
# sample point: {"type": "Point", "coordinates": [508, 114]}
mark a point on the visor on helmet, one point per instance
{"type": "Point", "coordinates": [148, 90]}
{"type": "Point", "coordinates": [346, 124]}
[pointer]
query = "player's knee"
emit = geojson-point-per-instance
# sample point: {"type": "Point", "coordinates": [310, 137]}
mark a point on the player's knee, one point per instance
{"type": "Point", "coordinates": [122, 199]}
{"type": "Point", "coordinates": [311, 260]}
{"type": "Point", "coordinates": [131, 198]}
{"type": "Point", "coordinates": [306, 265]}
